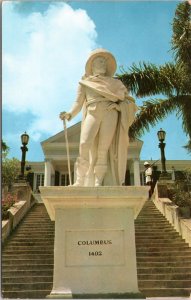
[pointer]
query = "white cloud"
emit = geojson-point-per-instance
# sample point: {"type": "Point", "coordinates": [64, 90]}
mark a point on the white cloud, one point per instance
{"type": "Point", "coordinates": [42, 66]}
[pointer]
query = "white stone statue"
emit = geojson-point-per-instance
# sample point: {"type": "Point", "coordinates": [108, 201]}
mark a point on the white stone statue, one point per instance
{"type": "Point", "coordinates": [108, 111]}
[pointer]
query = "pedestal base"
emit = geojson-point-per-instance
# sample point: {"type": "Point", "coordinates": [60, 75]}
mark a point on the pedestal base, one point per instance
{"type": "Point", "coordinates": [94, 254]}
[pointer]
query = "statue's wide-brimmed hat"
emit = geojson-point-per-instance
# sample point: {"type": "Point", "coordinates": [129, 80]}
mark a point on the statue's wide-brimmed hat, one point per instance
{"type": "Point", "coordinates": [111, 62]}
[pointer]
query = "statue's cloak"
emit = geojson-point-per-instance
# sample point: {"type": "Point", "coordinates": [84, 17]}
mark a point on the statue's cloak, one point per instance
{"type": "Point", "coordinates": [113, 90]}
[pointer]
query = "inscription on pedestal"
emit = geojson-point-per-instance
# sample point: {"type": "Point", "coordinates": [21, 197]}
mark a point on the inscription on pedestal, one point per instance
{"type": "Point", "coordinates": [95, 248]}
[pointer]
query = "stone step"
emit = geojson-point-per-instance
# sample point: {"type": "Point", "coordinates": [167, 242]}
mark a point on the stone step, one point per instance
{"type": "Point", "coordinates": [36, 222]}
{"type": "Point", "coordinates": [149, 210]}
{"type": "Point", "coordinates": [27, 294]}
{"type": "Point", "coordinates": [162, 259]}
{"type": "Point", "coordinates": [49, 247]}
{"type": "Point", "coordinates": [32, 239]}
{"type": "Point", "coordinates": [31, 231]}
{"type": "Point", "coordinates": [164, 254]}
{"type": "Point", "coordinates": [20, 273]}
{"type": "Point", "coordinates": [152, 217]}
{"type": "Point", "coordinates": [43, 243]}
{"type": "Point", "coordinates": [154, 264]}
{"type": "Point", "coordinates": [29, 219]}
{"type": "Point", "coordinates": [146, 230]}
{"type": "Point", "coordinates": [154, 221]}
{"type": "Point", "coordinates": [28, 252]}
{"type": "Point", "coordinates": [27, 286]}
{"type": "Point", "coordinates": [149, 219]}
{"type": "Point", "coordinates": [164, 276]}
{"type": "Point", "coordinates": [38, 216]}
{"type": "Point", "coordinates": [28, 256]}
{"type": "Point", "coordinates": [155, 243]}
{"type": "Point", "coordinates": [158, 235]}
{"type": "Point", "coordinates": [154, 227]}
{"type": "Point", "coordinates": [39, 227]}
{"type": "Point", "coordinates": [151, 226]}
{"type": "Point", "coordinates": [19, 262]}
{"type": "Point", "coordinates": [164, 292]}
{"type": "Point", "coordinates": [28, 267]}
{"type": "Point", "coordinates": [165, 248]}
{"type": "Point", "coordinates": [35, 235]}
{"type": "Point", "coordinates": [165, 283]}
{"type": "Point", "coordinates": [163, 270]}
{"type": "Point", "coordinates": [27, 279]}
{"type": "Point", "coordinates": [159, 239]}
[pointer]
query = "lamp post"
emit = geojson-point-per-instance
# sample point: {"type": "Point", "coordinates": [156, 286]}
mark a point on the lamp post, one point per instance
{"type": "Point", "coordinates": [161, 136]}
{"type": "Point", "coordinates": [24, 141]}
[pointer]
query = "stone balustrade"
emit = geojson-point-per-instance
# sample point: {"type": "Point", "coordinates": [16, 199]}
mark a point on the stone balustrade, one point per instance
{"type": "Point", "coordinates": [19, 209]}
{"type": "Point", "coordinates": [170, 211]}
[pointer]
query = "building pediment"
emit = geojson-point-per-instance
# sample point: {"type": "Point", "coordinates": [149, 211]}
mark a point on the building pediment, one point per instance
{"type": "Point", "coordinates": [55, 146]}
{"type": "Point", "coordinates": [73, 134]}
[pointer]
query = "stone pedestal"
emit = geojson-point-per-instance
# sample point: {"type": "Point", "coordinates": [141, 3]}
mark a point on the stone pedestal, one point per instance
{"type": "Point", "coordinates": [94, 253]}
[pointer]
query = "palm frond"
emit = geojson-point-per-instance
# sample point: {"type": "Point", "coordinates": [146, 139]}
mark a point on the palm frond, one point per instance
{"type": "Point", "coordinates": [147, 79]}
{"type": "Point", "coordinates": [181, 39]}
{"type": "Point", "coordinates": [156, 110]}
{"type": "Point", "coordinates": [188, 146]}
{"type": "Point", "coordinates": [185, 103]}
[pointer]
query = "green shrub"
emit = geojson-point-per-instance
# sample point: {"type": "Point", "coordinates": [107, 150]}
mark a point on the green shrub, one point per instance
{"type": "Point", "coordinates": [8, 201]}
{"type": "Point", "coordinates": [180, 197]}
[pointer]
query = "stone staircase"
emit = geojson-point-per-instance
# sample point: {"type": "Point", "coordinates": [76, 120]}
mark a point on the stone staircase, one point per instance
{"type": "Point", "coordinates": [163, 258]}
{"type": "Point", "coordinates": [28, 257]}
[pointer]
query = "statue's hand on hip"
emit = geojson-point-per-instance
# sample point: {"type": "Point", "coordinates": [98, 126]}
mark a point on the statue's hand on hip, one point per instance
{"type": "Point", "coordinates": [64, 115]}
{"type": "Point", "coordinates": [113, 106]}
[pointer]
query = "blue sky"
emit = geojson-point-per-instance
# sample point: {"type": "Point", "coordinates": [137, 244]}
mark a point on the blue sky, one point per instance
{"type": "Point", "coordinates": [45, 46]}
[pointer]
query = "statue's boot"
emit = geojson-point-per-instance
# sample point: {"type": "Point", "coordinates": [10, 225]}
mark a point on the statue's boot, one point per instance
{"type": "Point", "coordinates": [82, 166]}
{"type": "Point", "coordinates": [99, 171]}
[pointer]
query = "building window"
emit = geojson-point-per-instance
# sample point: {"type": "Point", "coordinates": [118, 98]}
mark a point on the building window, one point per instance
{"type": "Point", "coordinates": [39, 181]}
{"type": "Point", "coordinates": [64, 179]}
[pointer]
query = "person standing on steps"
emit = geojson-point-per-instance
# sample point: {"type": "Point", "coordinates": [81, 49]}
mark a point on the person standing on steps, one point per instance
{"type": "Point", "coordinates": [108, 112]}
{"type": "Point", "coordinates": [148, 176]}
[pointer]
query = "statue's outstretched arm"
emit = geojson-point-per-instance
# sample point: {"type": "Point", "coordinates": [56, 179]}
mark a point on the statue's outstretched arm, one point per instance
{"type": "Point", "coordinates": [77, 106]}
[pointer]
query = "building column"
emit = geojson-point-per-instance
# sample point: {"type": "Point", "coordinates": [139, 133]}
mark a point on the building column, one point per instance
{"type": "Point", "coordinates": [47, 173]}
{"type": "Point", "coordinates": [75, 167]}
{"type": "Point", "coordinates": [136, 172]}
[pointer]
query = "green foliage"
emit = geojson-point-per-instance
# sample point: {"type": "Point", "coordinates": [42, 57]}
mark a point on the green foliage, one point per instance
{"type": "Point", "coordinates": [10, 167]}
{"type": "Point", "coordinates": [181, 39]}
{"type": "Point", "coordinates": [10, 171]}
{"type": "Point", "coordinates": [172, 80]}
{"type": "Point", "coordinates": [8, 201]}
{"type": "Point", "coordinates": [180, 198]}
{"type": "Point", "coordinates": [151, 112]}
{"type": "Point", "coordinates": [188, 147]}
{"type": "Point", "coordinates": [4, 146]}
{"type": "Point", "coordinates": [180, 194]}
{"type": "Point", "coordinates": [4, 149]}
{"type": "Point", "coordinates": [147, 79]}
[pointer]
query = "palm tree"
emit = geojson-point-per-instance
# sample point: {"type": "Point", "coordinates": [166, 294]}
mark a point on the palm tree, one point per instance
{"type": "Point", "coordinates": [4, 146]}
{"type": "Point", "coordinates": [172, 80]}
